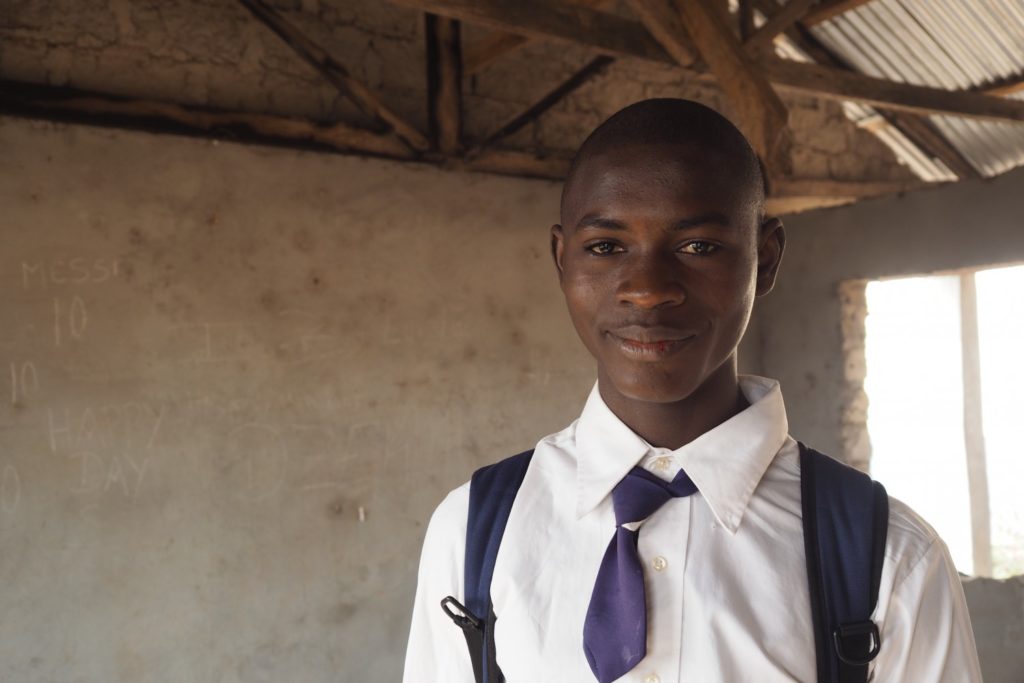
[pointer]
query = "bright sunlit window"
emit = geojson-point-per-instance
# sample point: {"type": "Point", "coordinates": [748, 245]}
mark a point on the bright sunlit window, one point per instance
{"type": "Point", "coordinates": [945, 416]}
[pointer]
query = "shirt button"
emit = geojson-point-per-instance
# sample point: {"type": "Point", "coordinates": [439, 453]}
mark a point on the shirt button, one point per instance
{"type": "Point", "coordinates": [659, 566]}
{"type": "Point", "coordinates": [652, 678]}
{"type": "Point", "coordinates": [662, 463]}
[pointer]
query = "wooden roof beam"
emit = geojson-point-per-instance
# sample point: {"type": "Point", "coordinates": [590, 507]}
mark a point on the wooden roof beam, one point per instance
{"type": "Point", "coordinates": [925, 136]}
{"type": "Point", "coordinates": [666, 25]}
{"type": "Point", "coordinates": [830, 9]}
{"type": "Point", "coordinates": [91, 108]}
{"type": "Point", "coordinates": [917, 129]}
{"type": "Point", "coordinates": [337, 74]}
{"type": "Point", "coordinates": [444, 83]}
{"type": "Point", "coordinates": [783, 18]}
{"type": "Point", "coordinates": [836, 84]}
{"type": "Point", "coordinates": [607, 33]}
{"type": "Point", "coordinates": [592, 69]}
{"type": "Point", "coordinates": [615, 35]}
{"type": "Point", "coordinates": [1007, 86]}
{"type": "Point", "coordinates": [760, 114]}
{"type": "Point", "coordinates": [745, 18]}
{"type": "Point", "coordinates": [485, 51]}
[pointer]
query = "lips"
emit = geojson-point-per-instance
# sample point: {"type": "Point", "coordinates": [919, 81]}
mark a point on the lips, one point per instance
{"type": "Point", "coordinates": [650, 343]}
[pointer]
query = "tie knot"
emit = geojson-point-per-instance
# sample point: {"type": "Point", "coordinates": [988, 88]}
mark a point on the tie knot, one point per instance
{"type": "Point", "coordinates": [640, 494]}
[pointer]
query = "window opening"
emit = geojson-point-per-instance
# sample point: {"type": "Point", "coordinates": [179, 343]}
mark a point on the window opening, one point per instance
{"type": "Point", "coordinates": [945, 420]}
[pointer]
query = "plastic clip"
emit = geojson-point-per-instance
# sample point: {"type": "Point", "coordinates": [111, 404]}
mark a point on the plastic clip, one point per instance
{"type": "Point", "coordinates": [464, 618]}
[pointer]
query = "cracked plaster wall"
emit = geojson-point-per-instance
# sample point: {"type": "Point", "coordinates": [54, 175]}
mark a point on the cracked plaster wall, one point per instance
{"type": "Point", "coordinates": [245, 376]}
{"type": "Point", "coordinates": [213, 53]}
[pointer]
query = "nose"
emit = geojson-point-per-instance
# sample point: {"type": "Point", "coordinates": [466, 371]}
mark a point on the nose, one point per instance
{"type": "Point", "coordinates": [651, 281]}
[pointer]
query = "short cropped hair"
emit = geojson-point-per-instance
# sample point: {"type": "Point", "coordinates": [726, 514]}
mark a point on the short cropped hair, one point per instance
{"type": "Point", "coordinates": [672, 121]}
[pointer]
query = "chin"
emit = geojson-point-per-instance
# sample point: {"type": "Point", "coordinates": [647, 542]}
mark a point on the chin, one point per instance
{"type": "Point", "coordinates": [656, 387]}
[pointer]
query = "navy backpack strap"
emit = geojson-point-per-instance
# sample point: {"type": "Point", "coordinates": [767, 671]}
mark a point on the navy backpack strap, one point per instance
{"type": "Point", "coordinates": [492, 491]}
{"type": "Point", "coordinates": [846, 518]}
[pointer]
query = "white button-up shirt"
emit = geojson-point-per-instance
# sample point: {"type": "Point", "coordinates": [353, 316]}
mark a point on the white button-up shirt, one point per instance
{"type": "Point", "coordinates": [725, 574]}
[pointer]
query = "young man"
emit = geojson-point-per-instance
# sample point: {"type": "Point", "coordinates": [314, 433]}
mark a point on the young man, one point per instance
{"type": "Point", "coordinates": [662, 248]}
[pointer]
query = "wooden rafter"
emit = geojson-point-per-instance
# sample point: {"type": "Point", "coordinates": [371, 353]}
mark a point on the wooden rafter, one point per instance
{"type": "Point", "coordinates": [479, 55]}
{"type": "Point", "coordinates": [590, 70]}
{"type": "Point", "coordinates": [925, 136]}
{"type": "Point", "coordinates": [607, 33]}
{"type": "Point", "coordinates": [334, 72]}
{"type": "Point", "coordinates": [1007, 86]}
{"type": "Point", "coordinates": [917, 129]}
{"type": "Point", "coordinates": [110, 110]}
{"type": "Point", "coordinates": [830, 9]}
{"type": "Point", "coordinates": [486, 50]}
{"type": "Point", "coordinates": [780, 21]}
{"type": "Point", "coordinates": [801, 36]}
{"type": "Point", "coordinates": [610, 34]}
{"type": "Point", "coordinates": [510, 162]}
{"type": "Point", "coordinates": [666, 26]}
{"type": "Point", "coordinates": [745, 18]}
{"type": "Point", "coordinates": [90, 108]}
{"type": "Point", "coordinates": [759, 112]}
{"type": "Point", "coordinates": [836, 84]}
{"type": "Point", "coordinates": [444, 83]}
{"type": "Point", "coordinates": [852, 189]}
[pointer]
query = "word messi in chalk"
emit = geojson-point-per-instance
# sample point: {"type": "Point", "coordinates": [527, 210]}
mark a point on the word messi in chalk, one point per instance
{"type": "Point", "coordinates": [71, 271]}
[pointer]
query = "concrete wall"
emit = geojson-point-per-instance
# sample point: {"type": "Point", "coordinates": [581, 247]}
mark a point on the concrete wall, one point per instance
{"type": "Point", "coordinates": [997, 616]}
{"type": "Point", "coordinates": [799, 336]}
{"type": "Point", "coordinates": [800, 330]}
{"type": "Point", "coordinates": [235, 382]}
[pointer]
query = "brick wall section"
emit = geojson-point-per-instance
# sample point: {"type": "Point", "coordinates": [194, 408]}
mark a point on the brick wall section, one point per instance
{"type": "Point", "coordinates": [853, 424]}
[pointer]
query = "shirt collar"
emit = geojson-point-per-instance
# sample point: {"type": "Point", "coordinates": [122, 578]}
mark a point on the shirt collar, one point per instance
{"type": "Point", "coordinates": [726, 463]}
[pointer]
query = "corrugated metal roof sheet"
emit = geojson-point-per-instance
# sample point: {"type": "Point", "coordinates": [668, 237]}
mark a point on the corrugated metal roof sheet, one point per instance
{"type": "Point", "coordinates": [952, 44]}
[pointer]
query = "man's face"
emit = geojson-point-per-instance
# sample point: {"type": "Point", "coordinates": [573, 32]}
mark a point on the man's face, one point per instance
{"type": "Point", "coordinates": [660, 256]}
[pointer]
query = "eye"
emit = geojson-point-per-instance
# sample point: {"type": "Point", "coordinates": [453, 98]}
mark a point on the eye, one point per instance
{"type": "Point", "coordinates": [603, 248]}
{"type": "Point", "coordinates": [699, 248]}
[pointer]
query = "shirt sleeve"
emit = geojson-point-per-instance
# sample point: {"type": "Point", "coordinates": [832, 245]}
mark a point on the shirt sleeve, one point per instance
{"type": "Point", "coordinates": [437, 650]}
{"type": "Point", "coordinates": [927, 636]}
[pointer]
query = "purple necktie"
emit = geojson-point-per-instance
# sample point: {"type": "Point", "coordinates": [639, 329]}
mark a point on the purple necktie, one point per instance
{"type": "Point", "coordinates": [615, 630]}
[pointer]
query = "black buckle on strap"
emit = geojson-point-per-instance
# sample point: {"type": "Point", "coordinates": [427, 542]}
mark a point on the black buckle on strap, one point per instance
{"type": "Point", "coordinates": [844, 639]}
{"type": "Point", "coordinates": [464, 618]}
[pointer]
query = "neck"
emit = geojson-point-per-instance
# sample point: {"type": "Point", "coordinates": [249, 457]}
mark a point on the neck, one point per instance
{"type": "Point", "coordinates": [674, 424]}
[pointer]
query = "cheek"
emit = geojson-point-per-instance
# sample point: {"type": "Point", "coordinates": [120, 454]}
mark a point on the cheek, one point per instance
{"type": "Point", "coordinates": [583, 298]}
{"type": "Point", "coordinates": [731, 292]}
{"type": "Point", "coordinates": [734, 311]}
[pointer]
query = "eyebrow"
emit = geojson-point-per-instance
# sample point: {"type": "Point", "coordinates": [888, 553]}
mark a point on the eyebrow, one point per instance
{"type": "Point", "coordinates": [711, 218]}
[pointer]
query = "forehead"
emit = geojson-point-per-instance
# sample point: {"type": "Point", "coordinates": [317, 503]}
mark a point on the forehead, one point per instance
{"type": "Point", "coordinates": [655, 179]}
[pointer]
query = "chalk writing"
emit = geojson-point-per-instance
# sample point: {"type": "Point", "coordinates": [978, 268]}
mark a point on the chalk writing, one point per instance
{"type": "Point", "coordinates": [299, 405]}
{"type": "Point", "coordinates": [305, 340]}
{"type": "Point", "coordinates": [214, 342]}
{"type": "Point", "coordinates": [69, 319]}
{"type": "Point", "coordinates": [118, 472]}
{"type": "Point", "coordinates": [10, 490]}
{"type": "Point", "coordinates": [112, 444]}
{"type": "Point", "coordinates": [72, 271]}
{"type": "Point", "coordinates": [131, 424]}
{"type": "Point", "coordinates": [24, 380]}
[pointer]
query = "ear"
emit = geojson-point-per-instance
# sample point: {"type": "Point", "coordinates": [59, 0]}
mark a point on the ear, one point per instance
{"type": "Point", "coordinates": [771, 244]}
{"type": "Point", "coordinates": [558, 248]}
